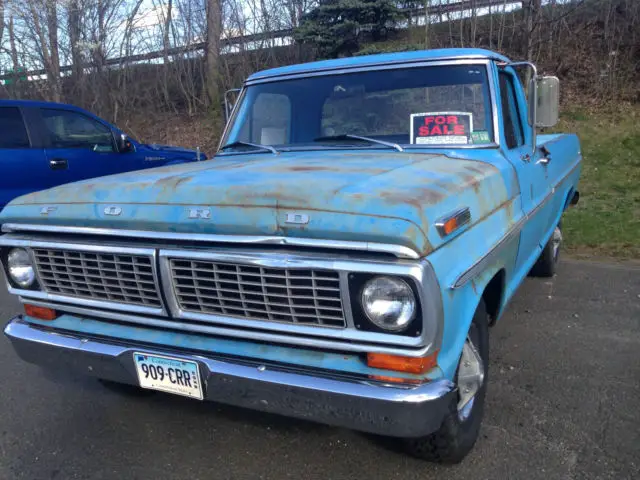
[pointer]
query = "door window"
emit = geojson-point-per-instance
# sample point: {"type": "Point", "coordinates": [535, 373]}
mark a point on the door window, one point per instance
{"type": "Point", "coordinates": [67, 129]}
{"type": "Point", "coordinates": [513, 132]}
{"type": "Point", "coordinates": [13, 133]}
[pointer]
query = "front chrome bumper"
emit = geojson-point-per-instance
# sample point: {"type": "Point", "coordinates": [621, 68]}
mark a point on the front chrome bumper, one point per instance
{"type": "Point", "coordinates": [379, 409]}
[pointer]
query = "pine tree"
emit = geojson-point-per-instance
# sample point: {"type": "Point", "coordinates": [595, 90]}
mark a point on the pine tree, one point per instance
{"type": "Point", "coordinates": [336, 27]}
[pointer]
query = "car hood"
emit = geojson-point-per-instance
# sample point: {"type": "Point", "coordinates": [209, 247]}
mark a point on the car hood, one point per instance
{"type": "Point", "coordinates": [170, 150]}
{"type": "Point", "coordinates": [377, 196]}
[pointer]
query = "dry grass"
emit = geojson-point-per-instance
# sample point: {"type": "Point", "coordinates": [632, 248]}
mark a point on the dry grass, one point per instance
{"type": "Point", "coordinates": [176, 129]}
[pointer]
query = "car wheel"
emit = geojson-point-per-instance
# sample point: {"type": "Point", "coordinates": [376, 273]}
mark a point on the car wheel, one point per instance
{"type": "Point", "coordinates": [459, 430]}
{"type": "Point", "coordinates": [126, 389]}
{"type": "Point", "coordinates": [546, 264]}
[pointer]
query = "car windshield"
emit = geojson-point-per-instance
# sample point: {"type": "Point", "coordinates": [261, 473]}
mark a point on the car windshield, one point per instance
{"type": "Point", "coordinates": [413, 107]}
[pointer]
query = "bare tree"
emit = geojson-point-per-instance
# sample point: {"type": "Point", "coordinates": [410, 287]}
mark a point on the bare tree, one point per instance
{"type": "Point", "coordinates": [531, 11]}
{"type": "Point", "coordinates": [1, 21]}
{"type": "Point", "coordinates": [427, 21]}
{"type": "Point", "coordinates": [212, 49]}
{"type": "Point", "coordinates": [74, 27]}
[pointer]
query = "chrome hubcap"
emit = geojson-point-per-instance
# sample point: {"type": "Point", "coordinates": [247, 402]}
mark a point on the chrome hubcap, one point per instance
{"type": "Point", "coordinates": [470, 378]}
{"type": "Point", "coordinates": [556, 241]}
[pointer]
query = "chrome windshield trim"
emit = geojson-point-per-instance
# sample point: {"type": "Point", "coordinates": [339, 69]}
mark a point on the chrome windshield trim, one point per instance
{"type": "Point", "coordinates": [397, 250]}
{"type": "Point", "coordinates": [487, 62]}
{"type": "Point", "coordinates": [8, 241]}
{"type": "Point", "coordinates": [493, 94]}
{"type": "Point", "coordinates": [471, 59]}
{"type": "Point", "coordinates": [421, 272]}
{"type": "Point", "coordinates": [251, 335]}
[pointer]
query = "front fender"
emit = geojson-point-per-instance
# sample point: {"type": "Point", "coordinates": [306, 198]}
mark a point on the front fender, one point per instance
{"type": "Point", "coordinates": [465, 267]}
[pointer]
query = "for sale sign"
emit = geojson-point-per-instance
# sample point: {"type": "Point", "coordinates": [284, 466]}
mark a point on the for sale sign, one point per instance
{"type": "Point", "coordinates": [441, 128]}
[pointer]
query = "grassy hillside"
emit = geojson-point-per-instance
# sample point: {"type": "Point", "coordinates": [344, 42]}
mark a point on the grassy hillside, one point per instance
{"type": "Point", "coordinates": [607, 219]}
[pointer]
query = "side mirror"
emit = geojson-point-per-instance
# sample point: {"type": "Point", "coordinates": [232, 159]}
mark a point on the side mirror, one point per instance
{"type": "Point", "coordinates": [124, 144]}
{"type": "Point", "coordinates": [230, 102]}
{"type": "Point", "coordinates": [548, 103]}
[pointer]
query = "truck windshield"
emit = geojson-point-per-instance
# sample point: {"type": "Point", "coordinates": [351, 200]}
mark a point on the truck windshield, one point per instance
{"type": "Point", "coordinates": [412, 107]}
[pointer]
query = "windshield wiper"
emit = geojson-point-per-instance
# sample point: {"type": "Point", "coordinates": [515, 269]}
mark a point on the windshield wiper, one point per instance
{"type": "Point", "coordinates": [358, 137]}
{"type": "Point", "coordinates": [247, 144]}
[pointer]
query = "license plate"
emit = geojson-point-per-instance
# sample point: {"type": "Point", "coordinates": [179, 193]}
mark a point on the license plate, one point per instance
{"type": "Point", "coordinates": [168, 374]}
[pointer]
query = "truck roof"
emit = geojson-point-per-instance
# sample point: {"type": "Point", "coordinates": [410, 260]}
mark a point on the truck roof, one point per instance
{"type": "Point", "coordinates": [34, 103]}
{"type": "Point", "coordinates": [379, 59]}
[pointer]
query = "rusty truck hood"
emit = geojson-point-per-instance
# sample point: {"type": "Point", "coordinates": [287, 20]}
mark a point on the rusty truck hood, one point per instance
{"type": "Point", "coordinates": [377, 196]}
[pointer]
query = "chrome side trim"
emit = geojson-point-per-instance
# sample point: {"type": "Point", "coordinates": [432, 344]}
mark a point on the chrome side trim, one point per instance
{"type": "Point", "coordinates": [420, 272]}
{"type": "Point", "coordinates": [397, 250]}
{"type": "Point", "coordinates": [251, 335]}
{"type": "Point", "coordinates": [478, 267]}
{"type": "Point", "coordinates": [38, 294]}
{"type": "Point", "coordinates": [482, 263]}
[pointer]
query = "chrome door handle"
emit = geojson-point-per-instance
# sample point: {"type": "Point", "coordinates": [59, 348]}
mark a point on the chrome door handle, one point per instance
{"type": "Point", "coordinates": [543, 161]}
{"type": "Point", "coordinates": [58, 164]}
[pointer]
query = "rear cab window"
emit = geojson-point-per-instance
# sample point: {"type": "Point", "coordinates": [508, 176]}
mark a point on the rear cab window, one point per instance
{"type": "Point", "coordinates": [13, 132]}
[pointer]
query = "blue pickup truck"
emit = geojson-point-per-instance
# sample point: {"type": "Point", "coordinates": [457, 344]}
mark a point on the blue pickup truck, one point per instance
{"type": "Point", "coordinates": [341, 259]}
{"type": "Point", "coordinates": [44, 144]}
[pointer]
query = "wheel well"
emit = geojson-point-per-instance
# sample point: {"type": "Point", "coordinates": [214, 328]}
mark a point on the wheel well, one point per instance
{"type": "Point", "coordinates": [569, 199]}
{"type": "Point", "coordinates": [492, 296]}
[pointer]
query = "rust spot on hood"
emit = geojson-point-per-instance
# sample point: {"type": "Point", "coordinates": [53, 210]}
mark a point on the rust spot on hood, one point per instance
{"type": "Point", "coordinates": [173, 181]}
{"type": "Point", "coordinates": [417, 197]}
{"type": "Point", "coordinates": [303, 168]}
{"type": "Point", "coordinates": [480, 170]}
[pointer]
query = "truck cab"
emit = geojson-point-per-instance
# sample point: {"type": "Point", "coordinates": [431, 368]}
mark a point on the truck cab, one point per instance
{"type": "Point", "coordinates": [340, 259]}
{"type": "Point", "coordinates": [45, 144]}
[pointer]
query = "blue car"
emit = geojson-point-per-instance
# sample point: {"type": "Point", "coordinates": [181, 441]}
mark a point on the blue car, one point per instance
{"type": "Point", "coordinates": [44, 144]}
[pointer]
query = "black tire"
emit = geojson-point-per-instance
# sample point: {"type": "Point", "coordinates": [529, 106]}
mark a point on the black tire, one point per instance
{"type": "Point", "coordinates": [546, 265]}
{"type": "Point", "coordinates": [126, 389]}
{"type": "Point", "coordinates": [456, 436]}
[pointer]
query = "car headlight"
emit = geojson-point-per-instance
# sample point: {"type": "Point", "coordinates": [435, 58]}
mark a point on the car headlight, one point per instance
{"type": "Point", "coordinates": [389, 303]}
{"type": "Point", "coordinates": [20, 267]}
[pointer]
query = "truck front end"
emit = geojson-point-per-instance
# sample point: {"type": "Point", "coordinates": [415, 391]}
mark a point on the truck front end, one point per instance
{"type": "Point", "coordinates": [310, 335]}
{"type": "Point", "coordinates": [300, 271]}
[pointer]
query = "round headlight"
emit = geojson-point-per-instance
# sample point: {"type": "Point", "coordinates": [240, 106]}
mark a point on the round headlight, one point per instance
{"type": "Point", "coordinates": [389, 303]}
{"type": "Point", "coordinates": [20, 267]}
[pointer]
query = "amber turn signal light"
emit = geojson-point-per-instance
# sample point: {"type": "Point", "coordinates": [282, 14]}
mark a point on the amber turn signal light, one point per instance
{"type": "Point", "coordinates": [401, 363]}
{"type": "Point", "coordinates": [41, 313]}
{"type": "Point", "coordinates": [385, 379]}
{"type": "Point", "coordinates": [450, 226]}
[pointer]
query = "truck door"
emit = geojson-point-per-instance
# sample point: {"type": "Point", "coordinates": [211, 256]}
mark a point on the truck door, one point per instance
{"type": "Point", "coordinates": [534, 185]}
{"type": "Point", "coordinates": [79, 147]}
{"type": "Point", "coordinates": [22, 159]}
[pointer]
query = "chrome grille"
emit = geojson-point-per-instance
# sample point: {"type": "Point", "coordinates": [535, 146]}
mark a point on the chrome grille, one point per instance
{"type": "Point", "coordinates": [112, 277]}
{"type": "Point", "coordinates": [301, 296]}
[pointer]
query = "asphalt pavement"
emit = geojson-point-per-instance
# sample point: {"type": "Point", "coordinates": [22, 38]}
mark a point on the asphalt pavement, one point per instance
{"type": "Point", "coordinates": [563, 403]}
